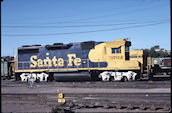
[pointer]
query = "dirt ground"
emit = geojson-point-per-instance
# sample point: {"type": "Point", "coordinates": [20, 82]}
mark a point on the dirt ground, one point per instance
{"type": "Point", "coordinates": [19, 96]}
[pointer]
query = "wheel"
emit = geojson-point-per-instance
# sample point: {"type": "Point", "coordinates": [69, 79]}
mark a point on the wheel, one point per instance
{"type": "Point", "coordinates": [111, 79]}
{"type": "Point", "coordinates": [124, 79]}
{"type": "Point", "coordinates": [17, 77]}
{"type": "Point", "coordinates": [151, 76]}
{"type": "Point", "coordinates": [164, 73]}
{"type": "Point", "coordinates": [50, 78]}
{"type": "Point", "coordinates": [137, 77]}
{"type": "Point", "coordinates": [169, 73]}
{"type": "Point", "coordinates": [38, 80]}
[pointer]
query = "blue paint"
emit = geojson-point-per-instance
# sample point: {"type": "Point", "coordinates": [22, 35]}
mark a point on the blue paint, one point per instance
{"type": "Point", "coordinates": [59, 53]}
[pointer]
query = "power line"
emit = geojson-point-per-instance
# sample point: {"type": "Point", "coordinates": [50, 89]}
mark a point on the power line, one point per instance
{"type": "Point", "coordinates": [130, 6]}
{"type": "Point", "coordinates": [110, 15]}
{"type": "Point", "coordinates": [106, 15]}
{"type": "Point", "coordinates": [91, 31]}
{"type": "Point", "coordinates": [89, 25]}
{"type": "Point", "coordinates": [88, 22]}
{"type": "Point", "coordinates": [87, 10]}
{"type": "Point", "coordinates": [123, 12]}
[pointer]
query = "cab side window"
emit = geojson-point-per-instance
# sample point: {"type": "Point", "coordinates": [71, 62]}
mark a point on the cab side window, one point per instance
{"type": "Point", "coordinates": [116, 50]}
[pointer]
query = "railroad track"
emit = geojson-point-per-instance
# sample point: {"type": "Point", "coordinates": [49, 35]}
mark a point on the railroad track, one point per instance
{"type": "Point", "coordinates": [97, 84]}
{"type": "Point", "coordinates": [120, 101]}
{"type": "Point", "coordinates": [80, 102]}
{"type": "Point", "coordinates": [141, 96]}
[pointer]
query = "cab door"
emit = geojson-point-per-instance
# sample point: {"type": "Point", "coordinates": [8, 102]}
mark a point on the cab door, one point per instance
{"type": "Point", "coordinates": [127, 53]}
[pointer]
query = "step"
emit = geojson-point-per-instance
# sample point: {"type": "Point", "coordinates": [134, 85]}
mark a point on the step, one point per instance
{"type": "Point", "coordinates": [145, 75]}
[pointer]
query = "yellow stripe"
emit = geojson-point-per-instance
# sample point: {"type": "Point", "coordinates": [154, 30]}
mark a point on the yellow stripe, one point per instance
{"type": "Point", "coordinates": [144, 78]}
{"type": "Point", "coordinates": [69, 69]}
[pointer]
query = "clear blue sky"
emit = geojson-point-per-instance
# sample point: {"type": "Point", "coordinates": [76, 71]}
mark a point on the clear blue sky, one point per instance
{"type": "Point", "coordinates": [29, 22]}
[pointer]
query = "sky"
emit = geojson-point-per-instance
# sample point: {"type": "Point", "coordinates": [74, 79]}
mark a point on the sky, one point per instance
{"type": "Point", "coordinates": [27, 22]}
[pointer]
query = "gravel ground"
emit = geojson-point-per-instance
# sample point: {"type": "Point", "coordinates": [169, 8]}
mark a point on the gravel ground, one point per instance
{"type": "Point", "coordinates": [18, 96]}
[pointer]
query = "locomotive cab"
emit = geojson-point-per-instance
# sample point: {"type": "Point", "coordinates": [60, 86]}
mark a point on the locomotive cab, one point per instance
{"type": "Point", "coordinates": [115, 53]}
{"type": "Point", "coordinates": [118, 50]}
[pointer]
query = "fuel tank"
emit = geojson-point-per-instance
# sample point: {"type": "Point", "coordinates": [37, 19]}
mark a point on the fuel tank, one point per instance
{"type": "Point", "coordinates": [72, 76]}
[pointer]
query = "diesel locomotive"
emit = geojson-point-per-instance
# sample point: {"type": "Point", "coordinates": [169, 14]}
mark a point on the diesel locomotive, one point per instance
{"type": "Point", "coordinates": [90, 60]}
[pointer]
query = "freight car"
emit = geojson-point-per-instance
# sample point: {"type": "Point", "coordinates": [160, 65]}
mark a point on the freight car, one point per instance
{"type": "Point", "coordinates": [7, 67]}
{"type": "Point", "coordinates": [80, 61]}
{"type": "Point", "coordinates": [162, 66]}
{"type": "Point", "coordinates": [4, 68]}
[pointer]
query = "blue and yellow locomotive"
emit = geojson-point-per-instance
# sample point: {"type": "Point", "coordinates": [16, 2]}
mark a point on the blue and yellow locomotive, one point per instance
{"type": "Point", "coordinates": [81, 60]}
